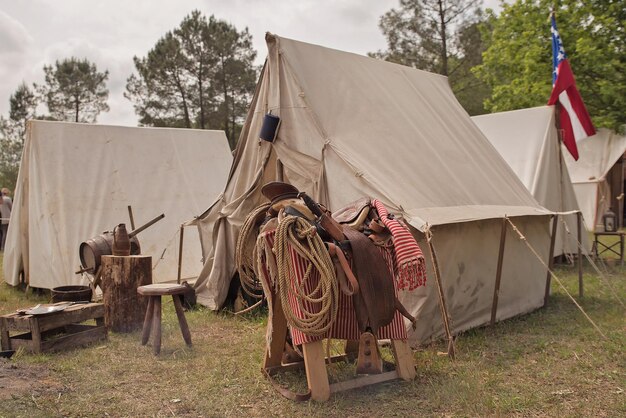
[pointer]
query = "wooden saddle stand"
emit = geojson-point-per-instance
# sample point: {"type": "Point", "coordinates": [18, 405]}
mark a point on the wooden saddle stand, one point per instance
{"type": "Point", "coordinates": [363, 275]}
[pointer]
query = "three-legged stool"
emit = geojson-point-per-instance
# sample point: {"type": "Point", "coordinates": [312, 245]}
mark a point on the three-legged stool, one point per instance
{"type": "Point", "coordinates": [152, 321]}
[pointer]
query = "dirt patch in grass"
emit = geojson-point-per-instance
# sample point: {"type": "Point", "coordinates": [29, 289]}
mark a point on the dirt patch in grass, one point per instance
{"type": "Point", "coordinates": [17, 380]}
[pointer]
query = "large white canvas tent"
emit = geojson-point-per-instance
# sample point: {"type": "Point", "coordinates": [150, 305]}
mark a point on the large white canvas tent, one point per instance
{"type": "Point", "coordinates": [598, 175]}
{"type": "Point", "coordinates": [353, 126]}
{"type": "Point", "coordinates": [77, 180]}
{"type": "Point", "coordinates": [528, 141]}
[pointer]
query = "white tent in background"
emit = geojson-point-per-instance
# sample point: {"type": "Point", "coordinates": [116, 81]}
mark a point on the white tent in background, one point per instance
{"type": "Point", "coordinates": [353, 126]}
{"type": "Point", "coordinates": [528, 141]}
{"type": "Point", "coordinates": [77, 180]}
{"type": "Point", "coordinates": [600, 157]}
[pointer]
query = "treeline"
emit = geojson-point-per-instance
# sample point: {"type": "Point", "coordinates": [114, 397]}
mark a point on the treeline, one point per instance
{"type": "Point", "coordinates": [199, 75]}
{"type": "Point", "coordinates": [503, 62]}
{"type": "Point", "coordinates": [202, 74]}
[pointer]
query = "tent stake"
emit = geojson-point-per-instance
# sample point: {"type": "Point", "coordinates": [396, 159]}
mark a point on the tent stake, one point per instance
{"type": "Point", "coordinates": [180, 253]}
{"type": "Point", "coordinates": [442, 300]}
{"type": "Point", "coordinates": [496, 290]}
{"type": "Point", "coordinates": [550, 259]}
{"type": "Point", "coordinates": [579, 216]}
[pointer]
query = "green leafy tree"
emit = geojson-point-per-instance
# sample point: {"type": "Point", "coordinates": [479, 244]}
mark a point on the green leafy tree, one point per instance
{"type": "Point", "coordinates": [470, 91]}
{"type": "Point", "coordinates": [23, 104]}
{"type": "Point", "coordinates": [233, 78]}
{"type": "Point", "coordinates": [74, 90]}
{"type": "Point", "coordinates": [517, 65]}
{"type": "Point", "coordinates": [9, 161]}
{"type": "Point", "coordinates": [439, 36]}
{"type": "Point", "coordinates": [199, 75]}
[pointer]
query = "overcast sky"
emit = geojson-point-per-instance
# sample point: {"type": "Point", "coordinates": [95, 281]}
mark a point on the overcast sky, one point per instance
{"type": "Point", "coordinates": [111, 32]}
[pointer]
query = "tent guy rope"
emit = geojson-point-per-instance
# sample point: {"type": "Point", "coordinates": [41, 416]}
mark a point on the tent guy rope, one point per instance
{"type": "Point", "coordinates": [530, 247]}
{"type": "Point", "coordinates": [595, 266]}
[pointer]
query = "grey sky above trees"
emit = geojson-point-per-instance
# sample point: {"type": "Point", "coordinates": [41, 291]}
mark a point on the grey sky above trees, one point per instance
{"type": "Point", "coordinates": [199, 75]}
{"type": "Point", "coordinates": [109, 33]}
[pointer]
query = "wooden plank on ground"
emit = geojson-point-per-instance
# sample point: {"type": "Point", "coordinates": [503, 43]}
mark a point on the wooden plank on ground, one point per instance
{"type": "Point", "coordinates": [363, 381]}
{"type": "Point", "coordinates": [88, 335]}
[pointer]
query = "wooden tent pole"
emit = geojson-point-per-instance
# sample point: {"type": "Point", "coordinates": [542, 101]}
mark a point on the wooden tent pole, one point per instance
{"type": "Point", "coordinates": [550, 259]}
{"type": "Point", "coordinates": [279, 171]}
{"type": "Point", "coordinates": [496, 290]}
{"type": "Point", "coordinates": [620, 202]}
{"type": "Point", "coordinates": [180, 253]}
{"type": "Point", "coordinates": [132, 219]}
{"type": "Point", "coordinates": [579, 217]}
{"type": "Point", "coordinates": [442, 300]}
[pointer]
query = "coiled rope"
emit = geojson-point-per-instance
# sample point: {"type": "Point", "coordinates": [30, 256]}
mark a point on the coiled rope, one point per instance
{"type": "Point", "coordinates": [298, 234]}
{"type": "Point", "coordinates": [244, 252]}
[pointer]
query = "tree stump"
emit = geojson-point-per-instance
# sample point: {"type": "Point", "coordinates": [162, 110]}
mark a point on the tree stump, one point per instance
{"type": "Point", "coordinates": [124, 309]}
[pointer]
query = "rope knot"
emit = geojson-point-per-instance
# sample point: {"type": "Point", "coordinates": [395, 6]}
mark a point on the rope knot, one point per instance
{"type": "Point", "coordinates": [309, 232]}
{"type": "Point", "coordinates": [428, 233]}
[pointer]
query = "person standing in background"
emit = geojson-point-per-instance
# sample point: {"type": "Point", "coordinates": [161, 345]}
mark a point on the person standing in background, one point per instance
{"type": "Point", "coordinates": [5, 213]}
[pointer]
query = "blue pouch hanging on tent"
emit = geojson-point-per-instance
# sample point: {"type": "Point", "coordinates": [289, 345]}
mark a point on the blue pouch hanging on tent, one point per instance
{"type": "Point", "coordinates": [269, 128]}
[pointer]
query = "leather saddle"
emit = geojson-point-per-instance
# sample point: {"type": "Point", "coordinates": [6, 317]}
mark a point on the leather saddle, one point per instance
{"type": "Point", "coordinates": [375, 300]}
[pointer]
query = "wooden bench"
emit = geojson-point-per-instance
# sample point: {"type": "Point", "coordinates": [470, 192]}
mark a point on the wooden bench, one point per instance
{"type": "Point", "coordinates": [53, 331]}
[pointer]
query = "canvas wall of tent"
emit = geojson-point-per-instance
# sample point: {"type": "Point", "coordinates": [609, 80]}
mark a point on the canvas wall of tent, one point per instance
{"type": "Point", "coordinates": [77, 180]}
{"type": "Point", "coordinates": [598, 176]}
{"type": "Point", "coordinates": [528, 141]}
{"type": "Point", "coordinates": [353, 126]}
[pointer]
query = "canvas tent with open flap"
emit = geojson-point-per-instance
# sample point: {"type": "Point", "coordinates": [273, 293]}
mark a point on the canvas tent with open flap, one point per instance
{"type": "Point", "coordinates": [77, 180]}
{"type": "Point", "coordinates": [353, 126]}
{"type": "Point", "coordinates": [598, 176]}
{"type": "Point", "coordinates": [528, 141]}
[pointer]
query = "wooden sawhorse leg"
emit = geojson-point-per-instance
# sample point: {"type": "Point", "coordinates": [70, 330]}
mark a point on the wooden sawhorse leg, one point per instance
{"type": "Point", "coordinates": [315, 361]}
{"type": "Point", "coordinates": [274, 353]}
{"type": "Point", "coordinates": [316, 374]}
{"type": "Point", "coordinates": [405, 364]}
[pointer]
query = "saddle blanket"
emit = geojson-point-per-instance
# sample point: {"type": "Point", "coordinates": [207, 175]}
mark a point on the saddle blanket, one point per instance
{"type": "Point", "coordinates": [346, 326]}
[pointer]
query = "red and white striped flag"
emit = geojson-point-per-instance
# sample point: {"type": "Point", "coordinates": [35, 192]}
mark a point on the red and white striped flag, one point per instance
{"type": "Point", "coordinates": [574, 118]}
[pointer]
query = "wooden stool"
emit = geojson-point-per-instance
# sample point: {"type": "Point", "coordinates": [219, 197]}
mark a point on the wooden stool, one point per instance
{"type": "Point", "coordinates": [152, 320]}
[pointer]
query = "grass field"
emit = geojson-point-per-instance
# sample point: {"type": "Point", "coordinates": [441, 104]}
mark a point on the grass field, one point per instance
{"type": "Point", "coordinates": [548, 363]}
